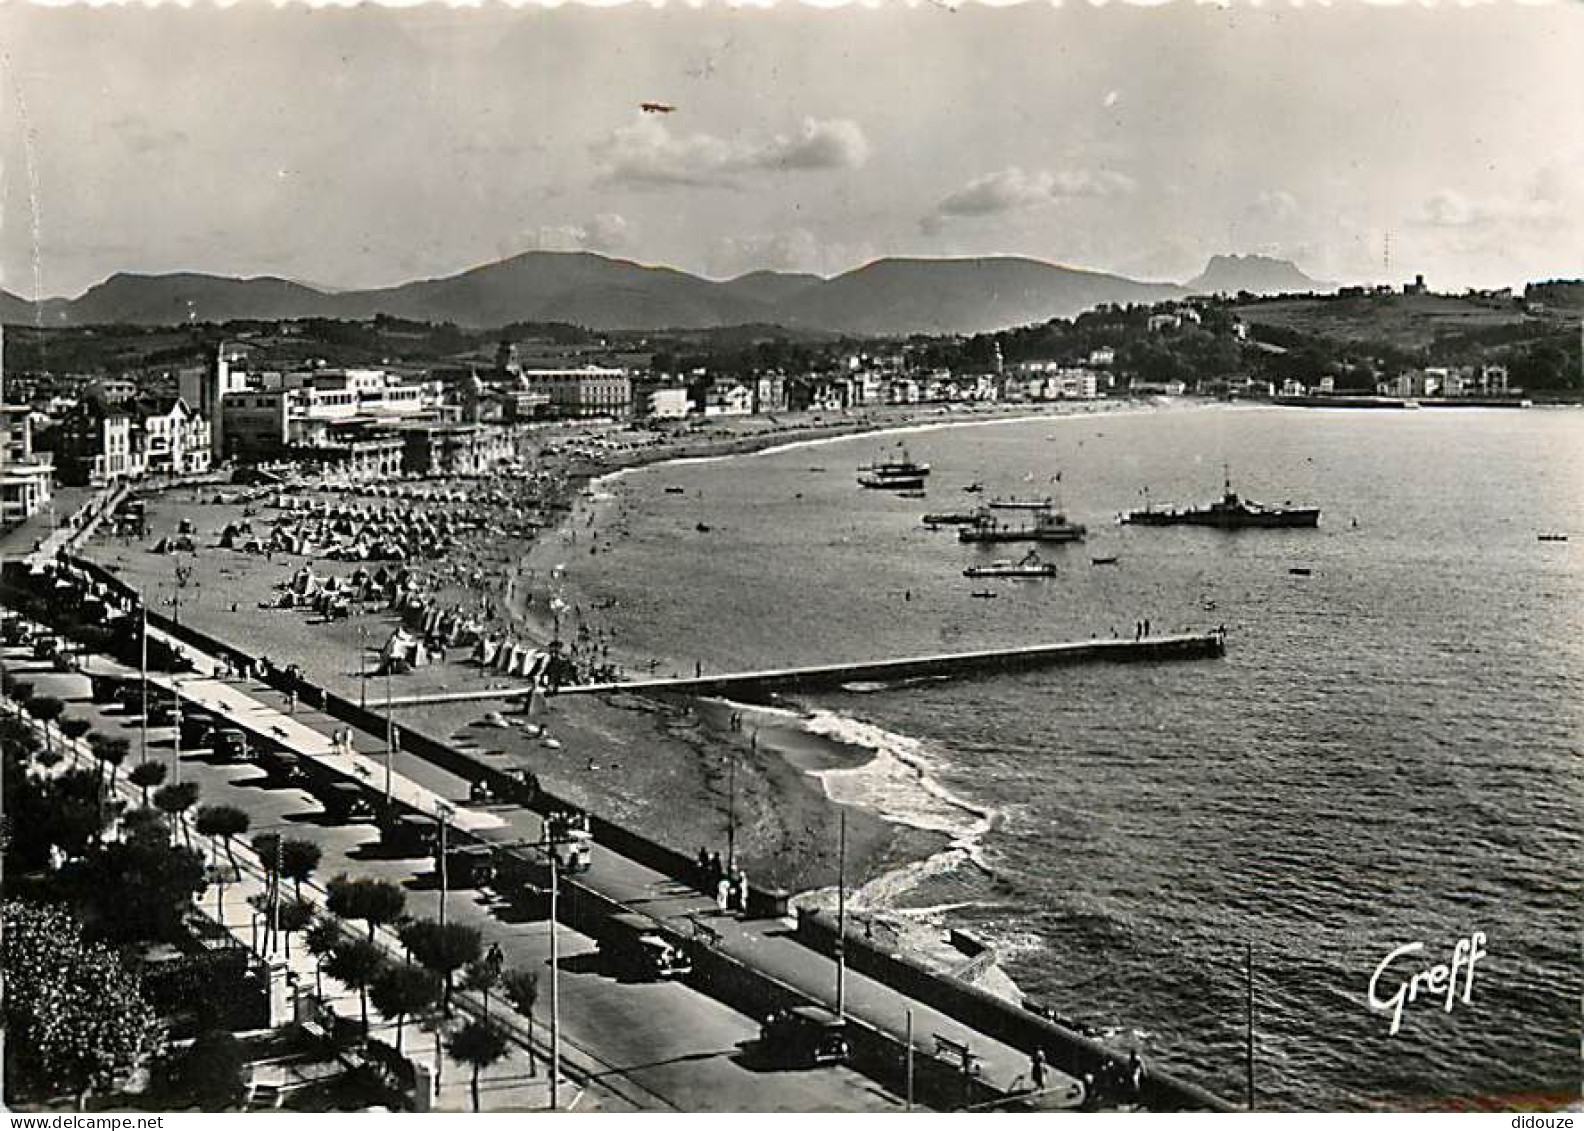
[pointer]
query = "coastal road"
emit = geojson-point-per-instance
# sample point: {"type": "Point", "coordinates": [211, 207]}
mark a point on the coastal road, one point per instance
{"type": "Point", "coordinates": [664, 1045]}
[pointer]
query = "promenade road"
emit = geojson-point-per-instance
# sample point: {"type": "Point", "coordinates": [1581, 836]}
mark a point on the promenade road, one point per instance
{"type": "Point", "coordinates": [655, 1046]}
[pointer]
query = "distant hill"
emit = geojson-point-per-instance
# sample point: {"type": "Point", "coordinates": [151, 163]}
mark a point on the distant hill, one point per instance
{"type": "Point", "coordinates": [187, 297]}
{"type": "Point", "coordinates": [548, 286]}
{"type": "Point", "coordinates": [889, 296]}
{"type": "Point", "coordinates": [771, 287]}
{"type": "Point", "coordinates": [1256, 274]}
{"type": "Point", "coordinates": [960, 296]}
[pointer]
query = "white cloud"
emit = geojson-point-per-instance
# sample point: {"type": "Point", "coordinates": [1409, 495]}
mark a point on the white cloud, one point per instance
{"type": "Point", "coordinates": [607, 231]}
{"type": "Point", "coordinates": [1012, 190]}
{"type": "Point", "coordinates": [648, 153]}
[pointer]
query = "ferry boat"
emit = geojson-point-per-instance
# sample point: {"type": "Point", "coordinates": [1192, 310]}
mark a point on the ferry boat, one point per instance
{"type": "Point", "coordinates": [1029, 565]}
{"type": "Point", "coordinates": [1230, 512]}
{"type": "Point", "coordinates": [899, 474]}
{"type": "Point", "coordinates": [1047, 526]}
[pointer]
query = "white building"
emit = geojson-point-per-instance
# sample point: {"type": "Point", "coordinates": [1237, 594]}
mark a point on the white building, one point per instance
{"type": "Point", "coordinates": [589, 391]}
{"type": "Point", "coordinates": [728, 400]}
{"type": "Point", "coordinates": [668, 402]}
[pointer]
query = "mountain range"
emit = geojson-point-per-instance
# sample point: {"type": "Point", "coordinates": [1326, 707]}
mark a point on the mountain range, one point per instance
{"type": "Point", "coordinates": [891, 296]}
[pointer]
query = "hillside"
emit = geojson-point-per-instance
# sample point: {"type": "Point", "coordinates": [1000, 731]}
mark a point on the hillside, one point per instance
{"type": "Point", "coordinates": [1406, 321]}
{"type": "Point", "coordinates": [890, 296]}
{"type": "Point", "coordinates": [545, 286]}
{"type": "Point", "coordinates": [959, 296]}
{"type": "Point", "coordinates": [771, 287]}
{"type": "Point", "coordinates": [1255, 274]}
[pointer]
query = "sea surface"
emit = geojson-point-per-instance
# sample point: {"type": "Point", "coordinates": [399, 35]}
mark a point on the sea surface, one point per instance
{"type": "Point", "coordinates": [1390, 753]}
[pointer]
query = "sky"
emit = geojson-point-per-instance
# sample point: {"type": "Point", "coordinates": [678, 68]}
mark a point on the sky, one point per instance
{"type": "Point", "coordinates": [364, 147]}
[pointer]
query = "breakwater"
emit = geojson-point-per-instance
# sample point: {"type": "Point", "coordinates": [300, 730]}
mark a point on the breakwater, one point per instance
{"type": "Point", "coordinates": [815, 677]}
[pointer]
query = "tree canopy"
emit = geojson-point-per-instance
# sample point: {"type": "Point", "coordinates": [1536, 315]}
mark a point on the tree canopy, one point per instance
{"type": "Point", "coordinates": [75, 1017]}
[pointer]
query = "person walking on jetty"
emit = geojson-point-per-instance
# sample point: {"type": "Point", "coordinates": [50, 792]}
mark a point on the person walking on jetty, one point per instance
{"type": "Point", "coordinates": [722, 894]}
{"type": "Point", "coordinates": [703, 861]}
{"type": "Point", "coordinates": [1037, 1070]}
{"type": "Point", "coordinates": [742, 891]}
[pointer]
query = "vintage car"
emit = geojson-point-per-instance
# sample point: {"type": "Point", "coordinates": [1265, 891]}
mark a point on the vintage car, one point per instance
{"type": "Point", "coordinates": [346, 802]}
{"type": "Point", "coordinates": [230, 744]}
{"type": "Point", "coordinates": [409, 834]}
{"type": "Point", "coordinates": [467, 865]}
{"type": "Point", "coordinates": [634, 946]}
{"type": "Point", "coordinates": [804, 1036]}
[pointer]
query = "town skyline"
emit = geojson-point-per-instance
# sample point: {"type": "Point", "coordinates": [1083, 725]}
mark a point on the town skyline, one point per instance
{"type": "Point", "coordinates": [357, 149]}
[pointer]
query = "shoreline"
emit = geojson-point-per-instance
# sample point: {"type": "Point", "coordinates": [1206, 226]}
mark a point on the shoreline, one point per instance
{"type": "Point", "coordinates": [664, 767]}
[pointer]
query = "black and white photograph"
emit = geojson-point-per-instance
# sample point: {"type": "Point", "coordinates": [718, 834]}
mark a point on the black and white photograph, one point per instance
{"type": "Point", "coordinates": [940, 557]}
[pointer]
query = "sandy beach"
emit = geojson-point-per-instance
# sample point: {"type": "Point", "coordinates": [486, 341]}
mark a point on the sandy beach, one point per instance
{"type": "Point", "coordinates": [662, 766]}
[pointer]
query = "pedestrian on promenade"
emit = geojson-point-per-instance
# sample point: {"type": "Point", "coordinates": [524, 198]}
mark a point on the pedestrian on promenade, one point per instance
{"type": "Point", "coordinates": [716, 870]}
{"type": "Point", "coordinates": [1135, 1076]}
{"type": "Point", "coordinates": [742, 891]}
{"type": "Point", "coordinates": [1146, 626]}
{"type": "Point", "coordinates": [1088, 1095]}
{"type": "Point", "coordinates": [1037, 1070]}
{"type": "Point", "coordinates": [722, 894]}
{"type": "Point", "coordinates": [703, 870]}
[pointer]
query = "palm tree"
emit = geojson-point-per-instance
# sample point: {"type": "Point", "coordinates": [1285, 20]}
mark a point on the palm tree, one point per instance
{"type": "Point", "coordinates": [46, 709]}
{"type": "Point", "coordinates": [400, 991]}
{"type": "Point", "coordinates": [111, 750]}
{"type": "Point", "coordinates": [481, 977]}
{"type": "Point", "coordinates": [147, 775]}
{"type": "Point", "coordinates": [298, 859]}
{"type": "Point", "coordinates": [521, 988]}
{"type": "Point", "coordinates": [374, 902]}
{"type": "Point", "coordinates": [321, 938]}
{"type": "Point", "coordinates": [75, 727]}
{"type": "Point", "coordinates": [223, 822]}
{"type": "Point", "coordinates": [294, 915]}
{"type": "Point", "coordinates": [478, 1044]}
{"type": "Point", "coordinates": [442, 948]}
{"type": "Point", "coordinates": [355, 963]}
{"type": "Point", "coordinates": [175, 799]}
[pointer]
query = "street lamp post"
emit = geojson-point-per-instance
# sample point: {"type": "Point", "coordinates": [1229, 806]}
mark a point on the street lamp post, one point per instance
{"type": "Point", "coordinates": [555, 981]}
{"type": "Point", "coordinates": [143, 673]}
{"type": "Point", "coordinates": [443, 812]}
{"type": "Point", "coordinates": [390, 740]}
{"type": "Point", "coordinates": [731, 816]}
{"type": "Point", "coordinates": [841, 921]}
{"type": "Point", "coordinates": [176, 740]}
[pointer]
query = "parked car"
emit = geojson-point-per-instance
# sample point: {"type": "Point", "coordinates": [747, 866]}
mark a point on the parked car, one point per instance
{"type": "Point", "coordinates": [230, 745]}
{"type": "Point", "coordinates": [634, 946]}
{"type": "Point", "coordinates": [410, 834]}
{"type": "Point", "coordinates": [804, 1036]}
{"type": "Point", "coordinates": [347, 802]}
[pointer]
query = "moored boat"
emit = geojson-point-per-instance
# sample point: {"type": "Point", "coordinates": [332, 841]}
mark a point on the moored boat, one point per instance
{"type": "Point", "coordinates": [899, 474]}
{"type": "Point", "coordinates": [1047, 526]}
{"type": "Point", "coordinates": [1014, 503]}
{"type": "Point", "coordinates": [1029, 565]}
{"type": "Point", "coordinates": [951, 518]}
